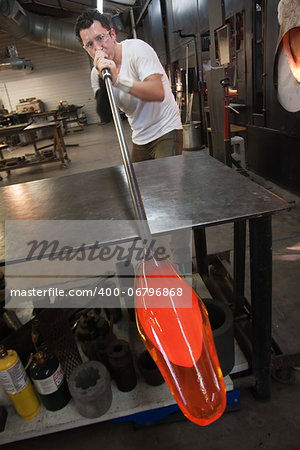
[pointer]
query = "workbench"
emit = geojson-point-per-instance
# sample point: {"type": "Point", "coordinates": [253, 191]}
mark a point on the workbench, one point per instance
{"type": "Point", "coordinates": [192, 187]}
{"type": "Point", "coordinates": [60, 151]}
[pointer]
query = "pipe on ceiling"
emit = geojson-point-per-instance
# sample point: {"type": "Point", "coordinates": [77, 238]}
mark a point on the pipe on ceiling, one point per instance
{"type": "Point", "coordinates": [43, 30]}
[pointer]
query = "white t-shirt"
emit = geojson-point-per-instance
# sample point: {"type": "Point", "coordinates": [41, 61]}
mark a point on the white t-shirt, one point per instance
{"type": "Point", "coordinates": [148, 120]}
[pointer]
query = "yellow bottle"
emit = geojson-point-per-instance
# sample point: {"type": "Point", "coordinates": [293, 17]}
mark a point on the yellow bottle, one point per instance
{"type": "Point", "coordinates": [16, 383]}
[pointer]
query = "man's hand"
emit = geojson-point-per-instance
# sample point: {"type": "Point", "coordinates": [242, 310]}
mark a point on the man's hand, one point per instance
{"type": "Point", "coordinates": [149, 90]}
{"type": "Point", "coordinates": [101, 62]}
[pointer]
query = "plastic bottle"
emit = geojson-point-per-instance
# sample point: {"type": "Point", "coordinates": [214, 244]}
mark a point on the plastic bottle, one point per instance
{"type": "Point", "coordinates": [49, 381]}
{"type": "Point", "coordinates": [180, 340]}
{"type": "Point", "coordinates": [17, 384]}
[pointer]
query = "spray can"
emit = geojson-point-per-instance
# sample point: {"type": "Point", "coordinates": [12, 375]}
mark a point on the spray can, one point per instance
{"type": "Point", "coordinates": [17, 384]}
{"type": "Point", "coordinates": [49, 381]}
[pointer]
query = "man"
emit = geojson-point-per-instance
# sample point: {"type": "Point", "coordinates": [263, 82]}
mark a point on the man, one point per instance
{"type": "Point", "coordinates": [102, 101]}
{"type": "Point", "coordinates": [141, 87]}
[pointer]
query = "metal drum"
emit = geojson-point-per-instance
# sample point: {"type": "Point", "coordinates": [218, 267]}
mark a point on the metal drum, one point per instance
{"type": "Point", "coordinates": [192, 136]}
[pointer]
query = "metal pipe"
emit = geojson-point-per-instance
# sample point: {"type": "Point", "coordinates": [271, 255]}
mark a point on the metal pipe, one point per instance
{"type": "Point", "coordinates": [239, 265]}
{"type": "Point", "coordinates": [143, 12]}
{"type": "Point", "coordinates": [129, 170]}
{"type": "Point", "coordinates": [42, 30]}
{"type": "Point", "coordinates": [265, 66]}
{"type": "Point", "coordinates": [187, 99]}
{"type": "Point", "coordinates": [199, 91]}
{"type": "Point", "coordinates": [11, 319]}
{"type": "Point", "coordinates": [8, 97]}
{"type": "Point", "coordinates": [260, 230]}
{"type": "Point", "coordinates": [133, 24]}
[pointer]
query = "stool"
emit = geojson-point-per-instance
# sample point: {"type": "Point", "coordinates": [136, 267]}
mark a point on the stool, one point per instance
{"type": "Point", "coordinates": [238, 154]}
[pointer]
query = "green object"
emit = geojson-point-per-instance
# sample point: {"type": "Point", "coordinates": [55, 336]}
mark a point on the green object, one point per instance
{"type": "Point", "coordinates": [49, 381]}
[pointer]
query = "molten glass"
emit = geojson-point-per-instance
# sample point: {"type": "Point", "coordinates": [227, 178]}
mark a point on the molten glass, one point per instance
{"type": "Point", "coordinates": [292, 51]}
{"type": "Point", "coordinates": [173, 323]}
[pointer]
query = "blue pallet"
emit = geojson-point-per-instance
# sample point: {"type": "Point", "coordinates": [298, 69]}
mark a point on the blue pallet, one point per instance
{"type": "Point", "coordinates": [233, 399]}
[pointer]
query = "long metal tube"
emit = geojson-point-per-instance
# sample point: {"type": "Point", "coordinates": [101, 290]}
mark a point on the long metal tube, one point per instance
{"type": "Point", "coordinates": [130, 173]}
{"type": "Point", "coordinates": [133, 24]}
{"type": "Point", "coordinates": [187, 95]}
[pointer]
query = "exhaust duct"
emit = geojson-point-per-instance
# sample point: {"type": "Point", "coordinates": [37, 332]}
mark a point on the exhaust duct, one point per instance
{"type": "Point", "coordinates": [42, 30]}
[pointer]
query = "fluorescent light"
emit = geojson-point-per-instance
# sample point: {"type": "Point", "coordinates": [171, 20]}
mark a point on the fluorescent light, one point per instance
{"type": "Point", "coordinates": [100, 6]}
{"type": "Point", "coordinates": [124, 2]}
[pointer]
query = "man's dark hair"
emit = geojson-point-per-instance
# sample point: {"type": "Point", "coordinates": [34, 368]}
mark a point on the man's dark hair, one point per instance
{"type": "Point", "coordinates": [86, 19]}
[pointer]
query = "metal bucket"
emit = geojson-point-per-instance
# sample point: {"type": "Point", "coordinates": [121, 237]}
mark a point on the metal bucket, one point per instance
{"type": "Point", "coordinates": [192, 136]}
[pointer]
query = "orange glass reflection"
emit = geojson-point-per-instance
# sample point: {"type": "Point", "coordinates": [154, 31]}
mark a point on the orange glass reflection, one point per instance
{"type": "Point", "coordinates": [180, 341]}
{"type": "Point", "coordinates": [291, 45]}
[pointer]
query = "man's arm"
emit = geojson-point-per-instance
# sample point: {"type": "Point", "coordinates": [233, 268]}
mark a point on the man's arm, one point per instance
{"type": "Point", "coordinates": [102, 103]}
{"type": "Point", "coordinates": [149, 90]}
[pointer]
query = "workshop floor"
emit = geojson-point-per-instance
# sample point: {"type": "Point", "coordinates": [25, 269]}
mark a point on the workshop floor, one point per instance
{"type": "Point", "coordinates": [274, 425]}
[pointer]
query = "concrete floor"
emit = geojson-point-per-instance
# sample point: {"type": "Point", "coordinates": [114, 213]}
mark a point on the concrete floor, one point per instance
{"type": "Point", "coordinates": [273, 425]}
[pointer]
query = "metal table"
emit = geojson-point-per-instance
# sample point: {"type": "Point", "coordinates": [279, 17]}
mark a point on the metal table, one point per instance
{"type": "Point", "coordinates": [57, 135]}
{"type": "Point", "coordinates": [31, 129]}
{"type": "Point", "coordinates": [195, 187]}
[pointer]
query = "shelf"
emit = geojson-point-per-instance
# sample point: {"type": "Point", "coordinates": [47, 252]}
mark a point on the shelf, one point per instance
{"type": "Point", "coordinates": [142, 398]}
{"type": "Point", "coordinates": [29, 164]}
{"type": "Point", "coordinates": [8, 169]}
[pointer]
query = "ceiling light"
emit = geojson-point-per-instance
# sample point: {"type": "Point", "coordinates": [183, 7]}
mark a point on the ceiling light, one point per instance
{"type": "Point", "coordinates": [100, 6]}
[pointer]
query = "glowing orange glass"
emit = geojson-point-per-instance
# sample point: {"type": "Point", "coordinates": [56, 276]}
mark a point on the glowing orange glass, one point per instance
{"type": "Point", "coordinates": [180, 341]}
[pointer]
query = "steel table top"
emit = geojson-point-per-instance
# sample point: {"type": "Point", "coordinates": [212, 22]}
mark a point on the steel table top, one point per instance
{"type": "Point", "coordinates": [192, 187]}
{"type": "Point", "coordinates": [13, 129]}
{"type": "Point", "coordinates": [39, 126]}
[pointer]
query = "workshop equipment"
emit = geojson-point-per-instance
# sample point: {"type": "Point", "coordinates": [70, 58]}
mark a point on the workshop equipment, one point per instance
{"type": "Point", "coordinates": [59, 338]}
{"type": "Point", "coordinates": [149, 369]}
{"type": "Point", "coordinates": [94, 333]}
{"type": "Point", "coordinates": [179, 339]}
{"type": "Point", "coordinates": [17, 384]}
{"type": "Point", "coordinates": [90, 388]}
{"type": "Point", "coordinates": [49, 381]}
{"type": "Point", "coordinates": [221, 322]}
{"type": "Point", "coordinates": [191, 129]}
{"type": "Point", "coordinates": [121, 365]}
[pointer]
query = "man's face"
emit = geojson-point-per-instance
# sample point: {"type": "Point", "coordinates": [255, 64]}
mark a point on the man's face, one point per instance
{"type": "Point", "coordinates": [98, 38]}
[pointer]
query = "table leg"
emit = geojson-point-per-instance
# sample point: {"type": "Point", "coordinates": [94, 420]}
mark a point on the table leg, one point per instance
{"type": "Point", "coordinates": [63, 145]}
{"type": "Point", "coordinates": [239, 266]}
{"type": "Point", "coordinates": [261, 300]}
{"type": "Point", "coordinates": [61, 155]}
{"type": "Point", "coordinates": [201, 251]}
{"type": "Point", "coordinates": [61, 149]}
{"type": "Point", "coordinates": [32, 137]}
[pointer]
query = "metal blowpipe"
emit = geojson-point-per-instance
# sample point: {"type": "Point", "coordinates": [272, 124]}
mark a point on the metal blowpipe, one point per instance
{"type": "Point", "coordinates": [136, 197]}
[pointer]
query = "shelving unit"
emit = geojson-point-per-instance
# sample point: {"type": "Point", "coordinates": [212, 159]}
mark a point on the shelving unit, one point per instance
{"type": "Point", "coordinates": [142, 398]}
